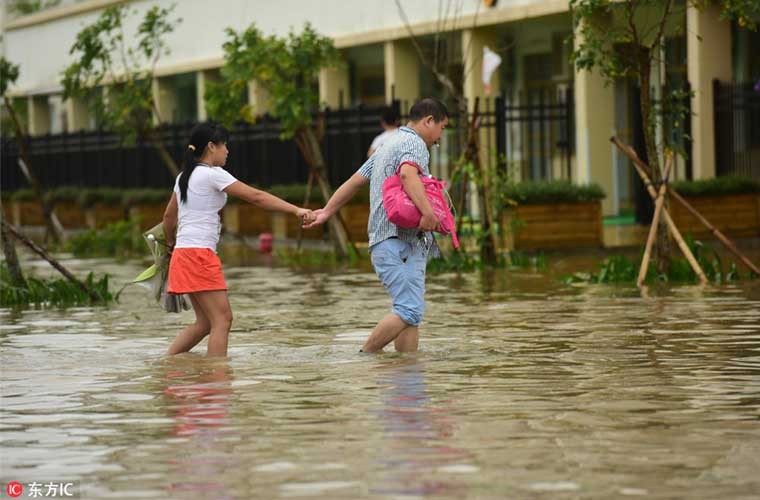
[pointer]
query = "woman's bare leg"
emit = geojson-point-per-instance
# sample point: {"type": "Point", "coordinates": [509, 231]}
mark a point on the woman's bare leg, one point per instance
{"type": "Point", "coordinates": [216, 307]}
{"type": "Point", "coordinates": [191, 335]}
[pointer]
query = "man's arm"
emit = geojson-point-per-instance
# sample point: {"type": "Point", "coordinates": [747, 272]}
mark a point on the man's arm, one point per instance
{"type": "Point", "coordinates": [413, 186]}
{"type": "Point", "coordinates": [340, 197]}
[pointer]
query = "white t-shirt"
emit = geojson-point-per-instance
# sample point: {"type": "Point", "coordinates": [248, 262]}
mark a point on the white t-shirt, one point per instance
{"type": "Point", "coordinates": [199, 225]}
{"type": "Point", "coordinates": [381, 138]}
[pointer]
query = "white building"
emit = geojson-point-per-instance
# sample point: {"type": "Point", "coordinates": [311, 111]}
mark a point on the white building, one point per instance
{"type": "Point", "coordinates": [383, 64]}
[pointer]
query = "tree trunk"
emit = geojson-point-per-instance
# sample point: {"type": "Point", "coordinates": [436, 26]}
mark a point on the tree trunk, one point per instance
{"type": "Point", "coordinates": [662, 249]}
{"type": "Point", "coordinates": [307, 143]}
{"type": "Point", "coordinates": [158, 144]}
{"type": "Point", "coordinates": [488, 243]}
{"type": "Point", "coordinates": [11, 258]}
{"type": "Point", "coordinates": [52, 224]}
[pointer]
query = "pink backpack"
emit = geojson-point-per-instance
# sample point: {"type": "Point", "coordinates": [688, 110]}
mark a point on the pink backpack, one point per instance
{"type": "Point", "coordinates": [404, 213]}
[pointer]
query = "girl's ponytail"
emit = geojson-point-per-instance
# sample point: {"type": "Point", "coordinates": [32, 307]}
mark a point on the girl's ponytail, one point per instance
{"type": "Point", "coordinates": [200, 136]}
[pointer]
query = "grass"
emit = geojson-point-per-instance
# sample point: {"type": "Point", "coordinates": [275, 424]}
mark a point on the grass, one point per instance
{"type": "Point", "coordinates": [619, 269]}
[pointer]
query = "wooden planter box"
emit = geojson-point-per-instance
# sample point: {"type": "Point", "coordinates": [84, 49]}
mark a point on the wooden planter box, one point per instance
{"type": "Point", "coordinates": [149, 214]}
{"type": "Point", "coordinates": [736, 215]}
{"type": "Point", "coordinates": [356, 217]}
{"type": "Point", "coordinates": [555, 225]}
{"type": "Point", "coordinates": [71, 215]}
{"type": "Point", "coordinates": [247, 220]}
{"type": "Point", "coordinates": [27, 213]}
{"type": "Point", "coordinates": [100, 215]}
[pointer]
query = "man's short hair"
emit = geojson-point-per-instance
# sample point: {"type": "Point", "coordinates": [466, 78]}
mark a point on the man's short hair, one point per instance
{"type": "Point", "coordinates": [426, 107]}
{"type": "Point", "coordinates": [390, 116]}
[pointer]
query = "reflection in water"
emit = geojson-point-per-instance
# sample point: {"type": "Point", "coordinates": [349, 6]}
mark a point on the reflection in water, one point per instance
{"type": "Point", "coordinates": [415, 432]}
{"type": "Point", "coordinates": [524, 388]}
{"type": "Point", "coordinates": [199, 390]}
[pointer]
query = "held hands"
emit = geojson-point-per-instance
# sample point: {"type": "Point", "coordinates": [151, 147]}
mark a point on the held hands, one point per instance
{"type": "Point", "coordinates": [305, 215]}
{"type": "Point", "coordinates": [319, 218]}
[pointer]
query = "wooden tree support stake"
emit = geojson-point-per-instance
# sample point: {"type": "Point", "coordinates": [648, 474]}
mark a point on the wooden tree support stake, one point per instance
{"type": "Point", "coordinates": [715, 231]}
{"type": "Point", "coordinates": [94, 297]}
{"type": "Point", "coordinates": [658, 205]}
{"type": "Point", "coordinates": [640, 169]}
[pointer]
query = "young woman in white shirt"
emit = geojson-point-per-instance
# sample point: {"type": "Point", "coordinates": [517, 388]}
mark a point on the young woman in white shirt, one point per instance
{"type": "Point", "coordinates": [200, 192]}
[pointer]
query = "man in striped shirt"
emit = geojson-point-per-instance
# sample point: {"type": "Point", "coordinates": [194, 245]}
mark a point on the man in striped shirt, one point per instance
{"type": "Point", "coordinates": [399, 255]}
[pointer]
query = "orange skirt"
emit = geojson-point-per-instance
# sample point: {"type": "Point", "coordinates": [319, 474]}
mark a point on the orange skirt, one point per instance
{"type": "Point", "coordinates": [195, 270]}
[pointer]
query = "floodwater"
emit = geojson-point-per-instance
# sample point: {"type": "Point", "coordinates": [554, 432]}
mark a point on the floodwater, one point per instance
{"type": "Point", "coordinates": [524, 388]}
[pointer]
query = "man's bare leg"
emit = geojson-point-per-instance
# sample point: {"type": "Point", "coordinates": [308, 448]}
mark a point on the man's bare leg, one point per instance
{"type": "Point", "coordinates": [408, 340]}
{"type": "Point", "coordinates": [384, 333]}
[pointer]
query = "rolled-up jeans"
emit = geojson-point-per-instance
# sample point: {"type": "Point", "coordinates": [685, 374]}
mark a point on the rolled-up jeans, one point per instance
{"type": "Point", "coordinates": [401, 268]}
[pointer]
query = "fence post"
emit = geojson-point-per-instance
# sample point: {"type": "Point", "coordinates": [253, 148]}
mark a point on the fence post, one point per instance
{"type": "Point", "coordinates": [717, 126]}
{"type": "Point", "coordinates": [569, 120]}
{"type": "Point", "coordinates": [501, 133]}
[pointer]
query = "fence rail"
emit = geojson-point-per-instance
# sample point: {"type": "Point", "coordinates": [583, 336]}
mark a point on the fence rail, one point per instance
{"type": "Point", "coordinates": [533, 131]}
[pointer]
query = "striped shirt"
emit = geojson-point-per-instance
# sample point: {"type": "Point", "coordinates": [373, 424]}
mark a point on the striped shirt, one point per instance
{"type": "Point", "coordinates": [404, 146]}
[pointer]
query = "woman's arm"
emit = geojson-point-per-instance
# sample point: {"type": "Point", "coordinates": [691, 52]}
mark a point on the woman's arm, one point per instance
{"type": "Point", "coordinates": [263, 199]}
{"type": "Point", "coordinates": [170, 221]}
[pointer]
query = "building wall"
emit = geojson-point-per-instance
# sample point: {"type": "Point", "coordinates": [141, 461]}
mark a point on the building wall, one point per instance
{"type": "Point", "coordinates": [349, 23]}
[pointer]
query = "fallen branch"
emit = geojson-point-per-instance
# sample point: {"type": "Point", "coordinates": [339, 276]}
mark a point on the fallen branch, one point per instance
{"type": "Point", "coordinates": [94, 297]}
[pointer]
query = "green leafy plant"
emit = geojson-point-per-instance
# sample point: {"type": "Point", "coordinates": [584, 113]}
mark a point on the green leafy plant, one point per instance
{"type": "Point", "coordinates": [622, 39]}
{"type": "Point", "coordinates": [25, 7]}
{"type": "Point", "coordinates": [121, 239]}
{"type": "Point", "coordinates": [618, 269]}
{"type": "Point", "coordinates": [717, 186]}
{"type": "Point", "coordinates": [113, 72]}
{"type": "Point", "coordinates": [287, 69]}
{"type": "Point", "coordinates": [554, 191]}
{"type": "Point", "coordinates": [108, 196]}
{"type": "Point", "coordinates": [56, 292]}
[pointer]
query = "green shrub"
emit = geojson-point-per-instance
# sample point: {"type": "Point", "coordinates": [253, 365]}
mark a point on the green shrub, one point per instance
{"type": "Point", "coordinates": [552, 192]}
{"type": "Point", "coordinates": [717, 186]}
{"type": "Point", "coordinates": [65, 194]}
{"type": "Point", "coordinates": [148, 195]}
{"type": "Point", "coordinates": [25, 194]}
{"type": "Point", "coordinates": [106, 195]}
{"type": "Point", "coordinates": [56, 292]}
{"type": "Point", "coordinates": [120, 239]}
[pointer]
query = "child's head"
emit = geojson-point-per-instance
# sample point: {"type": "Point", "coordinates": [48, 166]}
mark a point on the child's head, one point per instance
{"type": "Point", "coordinates": [208, 145]}
{"type": "Point", "coordinates": [389, 117]}
{"type": "Point", "coordinates": [429, 118]}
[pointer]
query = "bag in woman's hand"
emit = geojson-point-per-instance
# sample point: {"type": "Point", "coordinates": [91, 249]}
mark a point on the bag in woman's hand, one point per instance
{"type": "Point", "coordinates": [404, 213]}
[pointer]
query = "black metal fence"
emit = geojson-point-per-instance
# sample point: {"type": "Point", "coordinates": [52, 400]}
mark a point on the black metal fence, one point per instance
{"type": "Point", "coordinates": [533, 131]}
{"type": "Point", "coordinates": [257, 154]}
{"type": "Point", "coordinates": [537, 132]}
{"type": "Point", "coordinates": [737, 129]}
